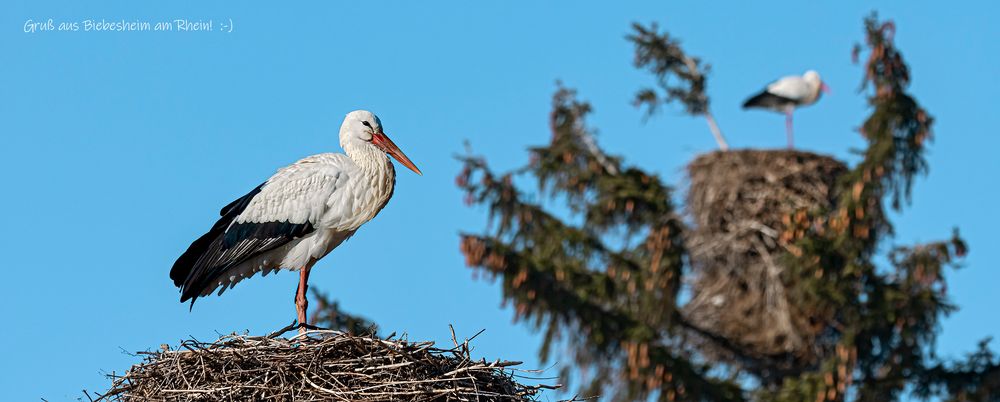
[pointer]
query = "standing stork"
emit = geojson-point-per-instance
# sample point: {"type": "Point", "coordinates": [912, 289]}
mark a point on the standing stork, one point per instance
{"type": "Point", "coordinates": [297, 216]}
{"type": "Point", "coordinates": [788, 93]}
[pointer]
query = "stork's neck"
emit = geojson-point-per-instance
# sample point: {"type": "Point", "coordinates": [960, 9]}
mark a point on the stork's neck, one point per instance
{"type": "Point", "coordinates": [815, 90]}
{"type": "Point", "coordinates": [376, 166]}
{"type": "Point", "coordinates": [370, 159]}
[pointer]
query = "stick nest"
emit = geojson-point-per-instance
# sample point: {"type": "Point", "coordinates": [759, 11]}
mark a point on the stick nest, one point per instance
{"type": "Point", "coordinates": [741, 203]}
{"type": "Point", "coordinates": [319, 365]}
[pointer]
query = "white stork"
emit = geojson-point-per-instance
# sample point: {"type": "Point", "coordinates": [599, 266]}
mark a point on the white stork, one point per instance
{"type": "Point", "coordinates": [788, 93]}
{"type": "Point", "coordinates": [297, 216]}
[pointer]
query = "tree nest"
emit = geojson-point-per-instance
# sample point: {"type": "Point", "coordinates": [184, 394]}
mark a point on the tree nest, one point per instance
{"type": "Point", "coordinates": [320, 365]}
{"type": "Point", "coordinates": [741, 203]}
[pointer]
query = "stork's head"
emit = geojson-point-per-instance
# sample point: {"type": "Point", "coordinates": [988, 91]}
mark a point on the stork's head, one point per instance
{"type": "Point", "coordinates": [363, 128]}
{"type": "Point", "coordinates": [812, 77]}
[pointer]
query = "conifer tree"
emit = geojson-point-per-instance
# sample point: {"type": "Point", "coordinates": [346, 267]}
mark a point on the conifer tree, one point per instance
{"type": "Point", "coordinates": [602, 283]}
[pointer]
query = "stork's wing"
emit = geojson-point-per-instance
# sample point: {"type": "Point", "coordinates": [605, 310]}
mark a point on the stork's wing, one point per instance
{"type": "Point", "coordinates": [286, 207]}
{"type": "Point", "coordinates": [791, 87]}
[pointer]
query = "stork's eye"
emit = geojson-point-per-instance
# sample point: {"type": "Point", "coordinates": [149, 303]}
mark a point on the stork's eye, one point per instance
{"type": "Point", "coordinates": [369, 125]}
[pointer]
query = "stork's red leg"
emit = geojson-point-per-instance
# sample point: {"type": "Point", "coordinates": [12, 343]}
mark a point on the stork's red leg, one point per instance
{"type": "Point", "coordinates": [301, 303]}
{"type": "Point", "coordinates": [788, 128]}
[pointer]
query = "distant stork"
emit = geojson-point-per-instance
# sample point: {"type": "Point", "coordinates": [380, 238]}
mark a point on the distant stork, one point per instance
{"type": "Point", "coordinates": [297, 216]}
{"type": "Point", "coordinates": [788, 93]}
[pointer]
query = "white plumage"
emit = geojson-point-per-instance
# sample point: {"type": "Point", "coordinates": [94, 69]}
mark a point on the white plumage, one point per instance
{"type": "Point", "coordinates": [322, 190]}
{"type": "Point", "coordinates": [803, 90]}
{"type": "Point", "coordinates": [788, 93]}
{"type": "Point", "coordinates": [297, 216]}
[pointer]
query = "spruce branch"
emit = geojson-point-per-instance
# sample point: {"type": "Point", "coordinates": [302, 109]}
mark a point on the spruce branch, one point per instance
{"type": "Point", "coordinates": [679, 77]}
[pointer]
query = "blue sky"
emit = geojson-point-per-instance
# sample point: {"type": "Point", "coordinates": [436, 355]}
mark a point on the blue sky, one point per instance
{"type": "Point", "coordinates": [120, 147]}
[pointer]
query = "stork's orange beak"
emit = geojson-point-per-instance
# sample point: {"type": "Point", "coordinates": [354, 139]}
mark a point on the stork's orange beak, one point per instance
{"type": "Point", "coordinates": [825, 88]}
{"type": "Point", "coordinates": [384, 143]}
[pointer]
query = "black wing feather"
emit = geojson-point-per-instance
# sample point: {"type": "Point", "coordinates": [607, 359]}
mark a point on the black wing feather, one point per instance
{"type": "Point", "coordinates": [228, 244]}
{"type": "Point", "coordinates": [768, 100]}
{"type": "Point", "coordinates": [182, 267]}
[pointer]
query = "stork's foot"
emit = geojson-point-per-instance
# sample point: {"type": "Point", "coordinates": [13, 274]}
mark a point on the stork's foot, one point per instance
{"type": "Point", "coordinates": [295, 325]}
{"type": "Point", "coordinates": [303, 327]}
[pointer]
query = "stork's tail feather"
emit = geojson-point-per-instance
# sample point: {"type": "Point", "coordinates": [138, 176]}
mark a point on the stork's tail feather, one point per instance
{"type": "Point", "coordinates": [767, 100]}
{"type": "Point", "coordinates": [185, 263]}
{"type": "Point", "coordinates": [183, 273]}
